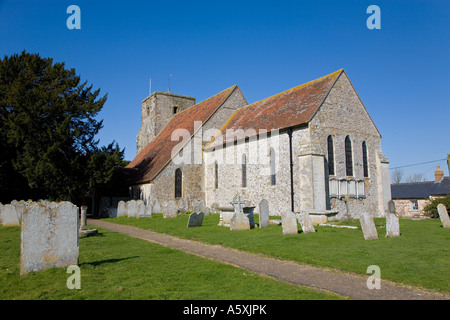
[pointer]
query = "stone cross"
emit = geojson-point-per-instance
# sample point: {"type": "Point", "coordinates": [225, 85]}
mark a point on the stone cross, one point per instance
{"type": "Point", "coordinates": [238, 204]}
{"type": "Point", "coordinates": [443, 214]}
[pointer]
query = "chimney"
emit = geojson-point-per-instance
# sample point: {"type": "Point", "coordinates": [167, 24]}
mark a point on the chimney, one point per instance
{"type": "Point", "coordinates": [438, 174]}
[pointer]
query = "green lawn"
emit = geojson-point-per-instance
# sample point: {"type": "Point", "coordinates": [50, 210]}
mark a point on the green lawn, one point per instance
{"type": "Point", "coordinates": [419, 257]}
{"type": "Point", "coordinates": [115, 266]}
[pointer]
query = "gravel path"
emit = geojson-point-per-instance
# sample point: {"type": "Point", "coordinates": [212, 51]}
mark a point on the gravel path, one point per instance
{"type": "Point", "coordinates": [347, 285]}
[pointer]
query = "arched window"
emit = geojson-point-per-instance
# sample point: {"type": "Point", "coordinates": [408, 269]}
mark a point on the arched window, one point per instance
{"type": "Point", "coordinates": [244, 171]}
{"type": "Point", "coordinates": [348, 157]}
{"type": "Point", "coordinates": [365, 165]}
{"type": "Point", "coordinates": [216, 175]}
{"type": "Point", "coordinates": [273, 177]}
{"type": "Point", "coordinates": [330, 156]}
{"type": "Point", "coordinates": [178, 183]}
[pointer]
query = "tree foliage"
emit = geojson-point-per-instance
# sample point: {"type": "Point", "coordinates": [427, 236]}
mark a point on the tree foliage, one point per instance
{"type": "Point", "coordinates": [430, 209]}
{"type": "Point", "coordinates": [47, 130]}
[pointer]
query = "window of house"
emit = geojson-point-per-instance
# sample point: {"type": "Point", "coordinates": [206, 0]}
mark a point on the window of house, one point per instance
{"type": "Point", "coordinates": [178, 183]}
{"type": "Point", "coordinates": [365, 165]}
{"type": "Point", "coordinates": [244, 171]}
{"type": "Point", "coordinates": [348, 157]}
{"type": "Point", "coordinates": [273, 178]}
{"type": "Point", "coordinates": [414, 205]}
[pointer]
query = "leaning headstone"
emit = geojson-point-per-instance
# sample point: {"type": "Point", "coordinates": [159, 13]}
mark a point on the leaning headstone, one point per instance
{"type": "Point", "coordinates": [49, 237]}
{"type": "Point", "coordinates": [392, 221]}
{"type": "Point", "coordinates": [305, 221]}
{"type": "Point", "coordinates": [121, 209]}
{"type": "Point", "coordinates": [239, 220]}
{"type": "Point", "coordinates": [289, 223]}
{"type": "Point", "coordinates": [9, 215]}
{"type": "Point", "coordinates": [368, 226]}
{"type": "Point", "coordinates": [195, 219]}
{"type": "Point", "coordinates": [443, 214]}
{"type": "Point", "coordinates": [263, 213]}
{"type": "Point", "coordinates": [132, 209]}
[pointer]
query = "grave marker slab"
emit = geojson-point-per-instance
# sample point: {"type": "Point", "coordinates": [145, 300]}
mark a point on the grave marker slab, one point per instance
{"type": "Point", "coordinates": [289, 223]}
{"type": "Point", "coordinates": [368, 226]}
{"type": "Point", "coordinates": [263, 213]}
{"type": "Point", "coordinates": [305, 221]}
{"type": "Point", "coordinates": [9, 215]}
{"type": "Point", "coordinates": [121, 209]}
{"type": "Point", "coordinates": [392, 221]}
{"type": "Point", "coordinates": [443, 215]}
{"type": "Point", "coordinates": [132, 209]}
{"type": "Point", "coordinates": [195, 219]}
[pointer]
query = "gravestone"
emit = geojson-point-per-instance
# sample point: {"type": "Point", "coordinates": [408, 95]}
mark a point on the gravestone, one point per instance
{"type": "Point", "coordinates": [49, 237]}
{"type": "Point", "coordinates": [169, 209]}
{"type": "Point", "coordinates": [195, 219]}
{"type": "Point", "coordinates": [9, 215]}
{"type": "Point", "coordinates": [83, 225]}
{"type": "Point", "coordinates": [443, 215]}
{"type": "Point", "coordinates": [368, 226]}
{"type": "Point", "coordinates": [263, 213]}
{"type": "Point", "coordinates": [121, 209]}
{"type": "Point", "coordinates": [206, 211]}
{"type": "Point", "coordinates": [239, 220]}
{"type": "Point", "coordinates": [132, 209]}
{"type": "Point", "coordinates": [140, 209]}
{"type": "Point", "coordinates": [305, 221]}
{"type": "Point", "coordinates": [392, 221]}
{"type": "Point", "coordinates": [148, 210]}
{"type": "Point", "coordinates": [157, 206]}
{"type": "Point", "coordinates": [20, 208]}
{"type": "Point", "coordinates": [248, 211]}
{"type": "Point", "coordinates": [289, 223]}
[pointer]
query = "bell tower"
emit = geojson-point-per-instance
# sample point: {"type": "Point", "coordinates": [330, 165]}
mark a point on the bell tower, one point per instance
{"type": "Point", "coordinates": [157, 110]}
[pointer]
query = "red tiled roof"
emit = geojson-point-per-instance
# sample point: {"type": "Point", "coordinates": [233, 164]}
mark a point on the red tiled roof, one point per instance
{"type": "Point", "coordinates": [292, 107]}
{"type": "Point", "coordinates": [158, 153]}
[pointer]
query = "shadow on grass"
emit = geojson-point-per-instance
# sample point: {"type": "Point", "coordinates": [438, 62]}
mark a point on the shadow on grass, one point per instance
{"type": "Point", "coordinates": [98, 263]}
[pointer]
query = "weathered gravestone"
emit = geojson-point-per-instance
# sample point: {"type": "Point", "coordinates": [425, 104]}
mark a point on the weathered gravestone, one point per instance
{"type": "Point", "coordinates": [148, 210]}
{"type": "Point", "coordinates": [169, 209]}
{"type": "Point", "coordinates": [289, 223]}
{"type": "Point", "coordinates": [239, 220]}
{"type": "Point", "coordinates": [368, 226]}
{"type": "Point", "coordinates": [9, 215]}
{"type": "Point", "coordinates": [392, 221]}
{"type": "Point", "coordinates": [121, 209]}
{"type": "Point", "coordinates": [140, 209]}
{"type": "Point", "coordinates": [156, 206]}
{"type": "Point", "coordinates": [195, 219]}
{"type": "Point", "coordinates": [20, 208]}
{"type": "Point", "coordinates": [49, 237]}
{"type": "Point", "coordinates": [263, 213]}
{"type": "Point", "coordinates": [206, 211]}
{"type": "Point", "coordinates": [305, 221]}
{"type": "Point", "coordinates": [132, 209]}
{"type": "Point", "coordinates": [443, 214]}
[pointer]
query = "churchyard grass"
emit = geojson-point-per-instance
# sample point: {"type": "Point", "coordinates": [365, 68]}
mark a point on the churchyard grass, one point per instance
{"type": "Point", "coordinates": [115, 266]}
{"type": "Point", "coordinates": [420, 257]}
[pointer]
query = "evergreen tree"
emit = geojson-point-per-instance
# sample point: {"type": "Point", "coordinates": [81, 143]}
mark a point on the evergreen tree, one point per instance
{"type": "Point", "coordinates": [47, 130]}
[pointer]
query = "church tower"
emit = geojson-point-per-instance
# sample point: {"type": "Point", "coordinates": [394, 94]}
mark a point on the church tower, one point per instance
{"type": "Point", "coordinates": [157, 110]}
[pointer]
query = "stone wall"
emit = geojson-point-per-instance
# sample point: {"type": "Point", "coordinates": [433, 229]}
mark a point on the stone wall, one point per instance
{"type": "Point", "coordinates": [403, 208]}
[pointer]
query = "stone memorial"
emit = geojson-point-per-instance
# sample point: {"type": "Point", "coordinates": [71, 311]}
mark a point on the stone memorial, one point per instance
{"type": "Point", "coordinates": [9, 216]}
{"type": "Point", "coordinates": [132, 209]}
{"type": "Point", "coordinates": [157, 206]}
{"type": "Point", "coordinates": [239, 220]}
{"type": "Point", "coordinates": [148, 210]}
{"type": "Point", "coordinates": [368, 226]}
{"type": "Point", "coordinates": [169, 209]}
{"type": "Point", "coordinates": [305, 222]}
{"type": "Point", "coordinates": [49, 237]}
{"type": "Point", "coordinates": [121, 209]}
{"type": "Point", "coordinates": [443, 215]}
{"type": "Point", "coordinates": [289, 223]}
{"type": "Point", "coordinates": [392, 221]}
{"type": "Point", "coordinates": [263, 213]}
{"type": "Point", "coordinates": [195, 219]}
{"type": "Point", "coordinates": [20, 208]}
{"type": "Point", "coordinates": [84, 231]}
{"type": "Point", "coordinates": [140, 209]}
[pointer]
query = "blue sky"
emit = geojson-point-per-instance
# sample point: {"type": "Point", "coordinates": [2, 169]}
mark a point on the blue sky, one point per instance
{"type": "Point", "coordinates": [401, 71]}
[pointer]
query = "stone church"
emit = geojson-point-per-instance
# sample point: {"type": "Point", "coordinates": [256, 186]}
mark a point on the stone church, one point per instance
{"type": "Point", "coordinates": [311, 148]}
